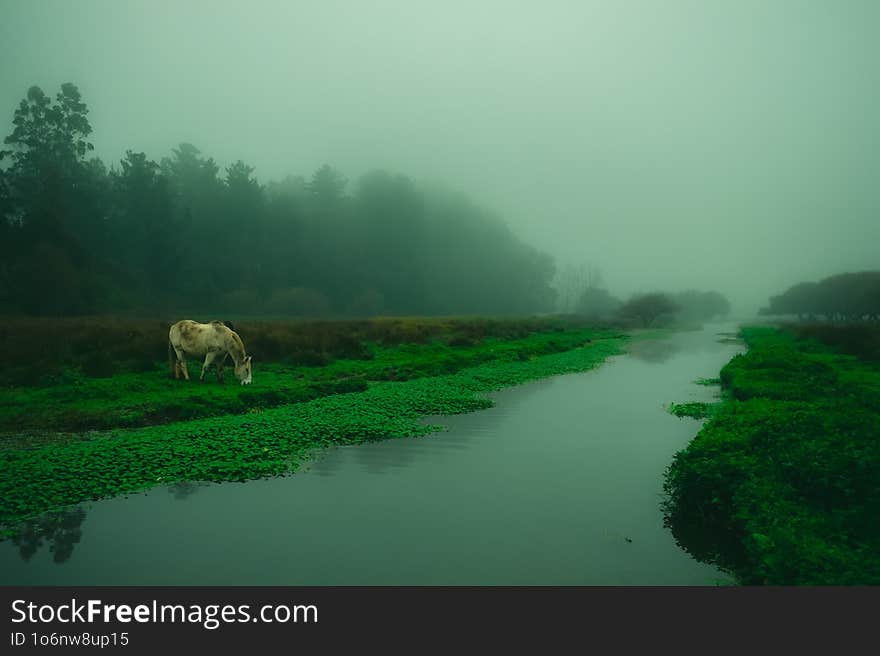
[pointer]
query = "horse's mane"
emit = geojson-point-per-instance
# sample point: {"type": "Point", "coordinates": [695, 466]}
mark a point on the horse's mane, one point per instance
{"type": "Point", "coordinates": [237, 340]}
{"type": "Point", "coordinates": [231, 334]}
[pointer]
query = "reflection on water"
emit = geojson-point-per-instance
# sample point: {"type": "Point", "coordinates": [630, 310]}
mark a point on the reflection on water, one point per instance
{"type": "Point", "coordinates": [653, 350]}
{"type": "Point", "coordinates": [707, 341]}
{"type": "Point", "coordinates": [60, 531]}
{"type": "Point", "coordinates": [184, 489]}
{"type": "Point", "coordinates": [560, 483]}
{"type": "Point", "coordinates": [377, 458]}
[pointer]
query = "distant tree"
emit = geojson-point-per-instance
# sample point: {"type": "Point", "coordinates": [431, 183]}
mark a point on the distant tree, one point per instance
{"type": "Point", "coordinates": [701, 306]}
{"type": "Point", "coordinates": [147, 230]}
{"type": "Point", "coordinates": [473, 263]}
{"type": "Point", "coordinates": [91, 208]}
{"type": "Point", "coordinates": [715, 305]}
{"type": "Point", "coordinates": [390, 215]}
{"type": "Point", "coordinates": [194, 183]}
{"type": "Point", "coordinates": [799, 299]}
{"type": "Point", "coordinates": [51, 204]}
{"type": "Point", "coordinates": [8, 246]}
{"type": "Point", "coordinates": [292, 186]}
{"type": "Point", "coordinates": [198, 200]}
{"type": "Point", "coordinates": [647, 308]}
{"type": "Point", "coordinates": [189, 169]}
{"type": "Point", "coordinates": [596, 302]}
{"type": "Point", "coordinates": [47, 149]}
{"type": "Point", "coordinates": [851, 296]}
{"type": "Point", "coordinates": [242, 224]}
{"type": "Point", "coordinates": [572, 283]}
{"type": "Point", "coordinates": [241, 181]}
{"type": "Point", "coordinates": [327, 185]}
{"type": "Point", "coordinates": [845, 296]}
{"type": "Point", "coordinates": [47, 134]}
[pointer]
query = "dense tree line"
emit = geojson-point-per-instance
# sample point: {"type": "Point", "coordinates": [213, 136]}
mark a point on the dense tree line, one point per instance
{"type": "Point", "coordinates": [845, 296]}
{"type": "Point", "coordinates": [184, 235]}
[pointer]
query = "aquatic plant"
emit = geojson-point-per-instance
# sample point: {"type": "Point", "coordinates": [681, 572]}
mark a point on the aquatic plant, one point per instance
{"type": "Point", "coordinates": [780, 486]}
{"type": "Point", "coordinates": [694, 410]}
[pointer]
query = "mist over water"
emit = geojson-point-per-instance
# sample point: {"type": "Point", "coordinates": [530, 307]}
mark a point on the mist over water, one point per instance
{"type": "Point", "coordinates": [729, 146]}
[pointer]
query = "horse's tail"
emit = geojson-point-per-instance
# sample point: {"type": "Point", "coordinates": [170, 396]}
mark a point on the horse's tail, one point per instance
{"type": "Point", "coordinates": [172, 360]}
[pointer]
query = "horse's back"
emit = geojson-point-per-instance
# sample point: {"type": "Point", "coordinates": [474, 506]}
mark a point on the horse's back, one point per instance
{"type": "Point", "coordinates": [194, 337]}
{"type": "Point", "coordinates": [183, 329]}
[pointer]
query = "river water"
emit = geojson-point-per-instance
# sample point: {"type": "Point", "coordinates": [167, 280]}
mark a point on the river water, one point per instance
{"type": "Point", "coordinates": [559, 484]}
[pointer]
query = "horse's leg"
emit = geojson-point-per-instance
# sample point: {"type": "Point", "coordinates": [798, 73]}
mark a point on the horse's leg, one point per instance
{"type": "Point", "coordinates": [181, 362]}
{"type": "Point", "coordinates": [209, 358]}
{"type": "Point", "coordinates": [220, 364]}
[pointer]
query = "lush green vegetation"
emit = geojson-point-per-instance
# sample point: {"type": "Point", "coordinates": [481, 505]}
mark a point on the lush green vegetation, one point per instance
{"type": "Point", "coordinates": [394, 388]}
{"type": "Point", "coordinates": [844, 296]}
{"type": "Point", "coordinates": [780, 487]}
{"type": "Point", "coordinates": [695, 410]}
{"type": "Point", "coordinates": [857, 338]}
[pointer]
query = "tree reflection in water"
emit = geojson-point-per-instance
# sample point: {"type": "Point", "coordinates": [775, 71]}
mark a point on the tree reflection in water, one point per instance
{"type": "Point", "coordinates": [183, 489]}
{"type": "Point", "coordinates": [60, 530]}
{"type": "Point", "coordinates": [653, 351]}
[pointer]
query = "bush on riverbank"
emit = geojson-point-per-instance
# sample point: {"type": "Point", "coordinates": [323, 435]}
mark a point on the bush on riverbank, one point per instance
{"type": "Point", "coordinates": [859, 339]}
{"type": "Point", "coordinates": [780, 487]}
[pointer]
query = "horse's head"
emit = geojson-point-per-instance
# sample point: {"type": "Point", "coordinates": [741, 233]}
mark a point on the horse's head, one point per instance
{"type": "Point", "coordinates": [243, 371]}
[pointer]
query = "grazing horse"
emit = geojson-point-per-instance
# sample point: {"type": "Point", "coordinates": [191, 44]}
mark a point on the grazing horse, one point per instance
{"type": "Point", "coordinates": [215, 341]}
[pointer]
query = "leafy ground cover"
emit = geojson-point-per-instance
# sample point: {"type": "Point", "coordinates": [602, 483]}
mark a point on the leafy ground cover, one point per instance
{"type": "Point", "coordinates": [694, 410]}
{"type": "Point", "coordinates": [398, 386]}
{"type": "Point", "coordinates": [781, 485]}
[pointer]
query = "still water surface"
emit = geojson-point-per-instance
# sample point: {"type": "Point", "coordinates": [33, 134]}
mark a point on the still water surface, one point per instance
{"type": "Point", "coordinates": [559, 484]}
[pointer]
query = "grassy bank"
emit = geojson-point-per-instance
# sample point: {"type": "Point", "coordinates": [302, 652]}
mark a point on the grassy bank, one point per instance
{"type": "Point", "coordinates": [396, 386]}
{"type": "Point", "coordinates": [93, 374]}
{"type": "Point", "coordinates": [781, 485]}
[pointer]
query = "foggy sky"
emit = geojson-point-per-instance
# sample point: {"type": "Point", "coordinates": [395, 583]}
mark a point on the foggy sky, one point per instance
{"type": "Point", "coordinates": [712, 144]}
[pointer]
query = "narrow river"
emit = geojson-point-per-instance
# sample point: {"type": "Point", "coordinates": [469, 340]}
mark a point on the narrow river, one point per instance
{"type": "Point", "coordinates": [559, 484]}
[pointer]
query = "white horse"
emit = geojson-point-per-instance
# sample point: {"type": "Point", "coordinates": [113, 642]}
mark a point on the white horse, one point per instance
{"type": "Point", "coordinates": [214, 341]}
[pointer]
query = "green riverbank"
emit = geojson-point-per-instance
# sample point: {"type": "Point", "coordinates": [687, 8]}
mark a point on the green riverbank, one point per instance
{"type": "Point", "coordinates": [781, 485]}
{"type": "Point", "coordinates": [259, 441]}
{"type": "Point", "coordinates": [293, 363]}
